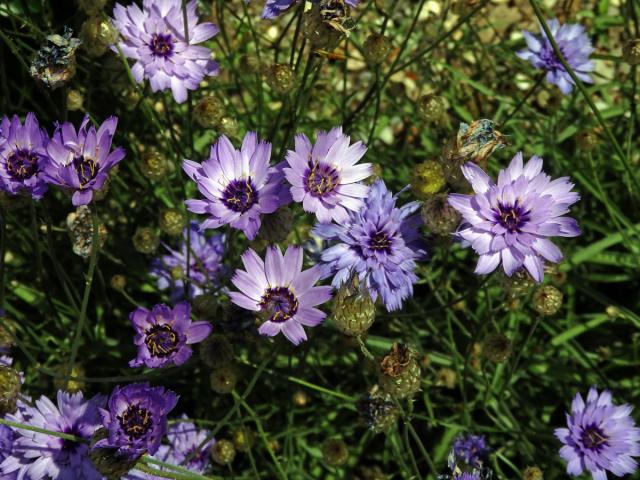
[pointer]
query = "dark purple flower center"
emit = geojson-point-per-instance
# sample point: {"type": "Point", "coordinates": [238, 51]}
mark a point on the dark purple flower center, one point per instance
{"type": "Point", "coordinates": [549, 57]}
{"type": "Point", "coordinates": [511, 217]}
{"type": "Point", "coordinates": [161, 45]}
{"type": "Point", "coordinates": [321, 179]}
{"type": "Point", "coordinates": [240, 195]}
{"type": "Point", "coordinates": [22, 164]}
{"type": "Point", "coordinates": [380, 242]}
{"type": "Point", "coordinates": [86, 168]}
{"type": "Point", "coordinates": [280, 303]}
{"type": "Point", "coordinates": [70, 446]}
{"type": "Point", "coordinates": [135, 421]}
{"type": "Point", "coordinates": [593, 438]}
{"type": "Point", "coordinates": [161, 340]}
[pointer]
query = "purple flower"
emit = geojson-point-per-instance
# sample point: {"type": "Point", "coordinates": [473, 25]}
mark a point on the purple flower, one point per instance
{"type": "Point", "coordinates": [163, 335]}
{"type": "Point", "coordinates": [284, 295]}
{"type": "Point", "coordinates": [239, 185]}
{"type": "Point", "coordinates": [23, 156]}
{"type": "Point", "coordinates": [205, 263]}
{"type": "Point", "coordinates": [155, 38]}
{"type": "Point", "coordinates": [6, 443]}
{"type": "Point", "coordinates": [324, 176]}
{"type": "Point", "coordinates": [39, 455]}
{"type": "Point", "coordinates": [471, 449]}
{"type": "Point", "coordinates": [601, 437]}
{"type": "Point", "coordinates": [136, 419]}
{"type": "Point", "coordinates": [273, 8]}
{"type": "Point", "coordinates": [81, 160]}
{"type": "Point", "coordinates": [575, 46]}
{"type": "Point", "coordinates": [380, 244]}
{"type": "Point", "coordinates": [510, 221]}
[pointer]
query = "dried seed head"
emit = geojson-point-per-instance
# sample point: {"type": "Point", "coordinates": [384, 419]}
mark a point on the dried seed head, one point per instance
{"type": "Point", "coordinates": [438, 216]}
{"type": "Point", "coordinates": [172, 221]}
{"type": "Point", "coordinates": [209, 111]}
{"type": "Point", "coordinates": [55, 62]}
{"type": "Point", "coordinates": [223, 452]}
{"type": "Point", "coordinates": [335, 452]}
{"type": "Point", "coordinates": [547, 300]}
{"type": "Point", "coordinates": [497, 348]}
{"type": "Point", "coordinates": [377, 48]}
{"type": "Point", "coordinates": [399, 373]}
{"type": "Point", "coordinates": [431, 107]}
{"type": "Point", "coordinates": [427, 179]}
{"type": "Point", "coordinates": [80, 228]}
{"type": "Point", "coordinates": [353, 310]}
{"type": "Point", "coordinates": [631, 51]}
{"type": "Point", "coordinates": [154, 166]}
{"type": "Point", "coordinates": [280, 78]}
{"type": "Point", "coordinates": [145, 240]}
{"type": "Point", "coordinates": [97, 35]}
{"type": "Point", "coordinates": [327, 23]}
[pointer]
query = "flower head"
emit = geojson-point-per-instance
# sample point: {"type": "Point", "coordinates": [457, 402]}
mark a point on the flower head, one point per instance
{"type": "Point", "coordinates": [324, 176]}
{"type": "Point", "coordinates": [600, 437]}
{"type": "Point", "coordinates": [136, 419]}
{"type": "Point", "coordinates": [81, 160]}
{"type": "Point", "coordinates": [164, 53]}
{"type": "Point", "coordinates": [575, 45]}
{"type": "Point", "coordinates": [283, 294]}
{"type": "Point", "coordinates": [471, 449]}
{"type": "Point", "coordinates": [511, 220]}
{"type": "Point", "coordinates": [205, 263]}
{"type": "Point", "coordinates": [23, 156]}
{"type": "Point", "coordinates": [379, 244]}
{"type": "Point", "coordinates": [273, 8]}
{"type": "Point", "coordinates": [39, 455]}
{"type": "Point", "coordinates": [163, 335]}
{"type": "Point", "coordinates": [238, 185]}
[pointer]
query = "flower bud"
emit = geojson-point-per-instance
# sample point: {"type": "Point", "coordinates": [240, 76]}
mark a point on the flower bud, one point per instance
{"type": "Point", "coordinates": [280, 78]}
{"type": "Point", "coordinates": [97, 35]}
{"type": "Point", "coordinates": [209, 111]}
{"type": "Point", "coordinates": [631, 51]}
{"type": "Point", "coordinates": [176, 273]}
{"type": "Point", "coordinates": [74, 100]}
{"type": "Point", "coordinates": [154, 166]}
{"type": "Point", "coordinates": [118, 282]}
{"type": "Point", "coordinates": [277, 226]}
{"type": "Point", "coordinates": [216, 352]}
{"type": "Point", "coordinates": [80, 228]}
{"type": "Point", "coordinates": [587, 140]}
{"type": "Point", "coordinates": [353, 310]}
{"type": "Point", "coordinates": [300, 398]}
{"type": "Point", "coordinates": [55, 62]}
{"type": "Point", "coordinates": [399, 372]}
{"type": "Point", "coordinates": [145, 240]}
{"type": "Point", "coordinates": [335, 452]}
{"type": "Point", "coordinates": [172, 221]}
{"type": "Point", "coordinates": [223, 452]}
{"type": "Point", "coordinates": [376, 48]}
{"type": "Point", "coordinates": [250, 64]}
{"type": "Point", "coordinates": [447, 378]}
{"type": "Point", "coordinates": [497, 348]}
{"type": "Point", "coordinates": [205, 306]}
{"type": "Point", "coordinates": [243, 439]}
{"type": "Point", "coordinates": [372, 473]}
{"type": "Point", "coordinates": [229, 127]}
{"type": "Point", "coordinates": [71, 386]}
{"type": "Point", "coordinates": [520, 283]}
{"type": "Point", "coordinates": [427, 179]}
{"type": "Point", "coordinates": [224, 378]}
{"type": "Point", "coordinates": [547, 300]}
{"type": "Point", "coordinates": [377, 410]}
{"type": "Point", "coordinates": [532, 473]}
{"type": "Point", "coordinates": [10, 385]}
{"type": "Point", "coordinates": [438, 216]}
{"type": "Point", "coordinates": [7, 333]}
{"type": "Point", "coordinates": [91, 7]}
{"type": "Point", "coordinates": [431, 107]}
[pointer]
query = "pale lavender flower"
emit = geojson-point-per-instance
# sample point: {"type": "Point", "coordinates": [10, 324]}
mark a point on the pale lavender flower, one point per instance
{"type": "Point", "coordinates": [324, 176]}
{"type": "Point", "coordinates": [23, 156]}
{"type": "Point", "coordinates": [155, 38]}
{"type": "Point", "coordinates": [379, 244]}
{"type": "Point", "coordinates": [273, 8]}
{"type": "Point", "coordinates": [238, 185]}
{"type": "Point", "coordinates": [283, 294]}
{"type": "Point", "coordinates": [510, 221]}
{"type": "Point", "coordinates": [601, 437]}
{"type": "Point", "coordinates": [575, 45]}
{"type": "Point", "coordinates": [39, 455]}
{"type": "Point", "coordinates": [81, 160]}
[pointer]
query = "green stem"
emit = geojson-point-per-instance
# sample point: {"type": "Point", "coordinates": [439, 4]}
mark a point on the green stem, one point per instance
{"type": "Point", "coordinates": [31, 428]}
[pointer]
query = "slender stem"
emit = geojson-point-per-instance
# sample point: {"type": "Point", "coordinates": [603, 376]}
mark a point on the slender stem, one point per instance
{"type": "Point", "coordinates": [31, 428]}
{"type": "Point", "coordinates": [95, 240]}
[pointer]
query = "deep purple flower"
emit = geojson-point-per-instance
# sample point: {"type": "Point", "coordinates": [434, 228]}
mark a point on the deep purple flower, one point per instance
{"type": "Point", "coordinates": [163, 335]}
{"type": "Point", "coordinates": [273, 8]}
{"type": "Point", "coordinates": [380, 244]}
{"type": "Point", "coordinates": [324, 176]}
{"type": "Point", "coordinates": [575, 45]}
{"type": "Point", "coordinates": [472, 449]}
{"type": "Point", "coordinates": [510, 221]}
{"type": "Point", "coordinates": [23, 156]}
{"type": "Point", "coordinates": [239, 185]}
{"type": "Point", "coordinates": [6, 443]}
{"type": "Point", "coordinates": [39, 455]}
{"type": "Point", "coordinates": [136, 419]}
{"type": "Point", "coordinates": [284, 295]}
{"type": "Point", "coordinates": [205, 263]}
{"type": "Point", "coordinates": [601, 437]}
{"type": "Point", "coordinates": [81, 160]}
{"type": "Point", "coordinates": [155, 38]}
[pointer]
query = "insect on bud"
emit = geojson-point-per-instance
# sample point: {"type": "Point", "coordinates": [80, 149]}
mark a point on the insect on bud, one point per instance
{"type": "Point", "coordinates": [172, 221]}
{"type": "Point", "coordinates": [353, 310]}
{"type": "Point", "coordinates": [209, 111]}
{"type": "Point", "coordinates": [377, 48]}
{"type": "Point", "coordinates": [631, 51]}
{"type": "Point", "coordinates": [280, 78]}
{"type": "Point", "coordinates": [431, 107]}
{"type": "Point", "coordinates": [399, 372]}
{"type": "Point", "coordinates": [145, 240]}
{"type": "Point", "coordinates": [427, 179]}
{"type": "Point", "coordinates": [55, 62]}
{"type": "Point", "coordinates": [547, 300]}
{"type": "Point", "coordinates": [223, 452]}
{"type": "Point", "coordinates": [438, 216]}
{"type": "Point", "coordinates": [335, 452]}
{"type": "Point", "coordinates": [378, 411]}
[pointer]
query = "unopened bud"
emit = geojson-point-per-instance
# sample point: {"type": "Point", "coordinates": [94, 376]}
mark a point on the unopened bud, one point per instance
{"type": "Point", "coordinates": [172, 221]}
{"type": "Point", "coordinates": [154, 166]}
{"type": "Point", "coordinates": [447, 378]}
{"type": "Point", "coordinates": [631, 51]}
{"type": "Point", "coordinates": [587, 140]}
{"type": "Point", "coordinates": [427, 179]}
{"type": "Point", "coordinates": [532, 473]}
{"type": "Point", "coordinates": [353, 310]}
{"type": "Point", "coordinates": [399, 372]}
{"type": "Point", "coordinates": [280, 78]}
{"type": "Point", "coordinates": [335, 452]}
{"type": "Point", "coordinates": [205, 306]}
{"type": "Point", "coordinates": [118, 282]}
{"type": "Point", "coordinates": [229, 126]}
{"type": "Point", "coordinates": [216, 352]}
{"type": "Point", "coordinates": [547, 300]}
{"type": "Point", "coordinates": [97, 35]}
{"type": "Point", "coordinates": [74, 100]}
{"type": "Point", "coordinates": [7, 333]}
{"type": "Point", "coordinates": [520, 283]}
{"type": "Point", "coordinates": [431, 107]}
{"type": "Point", "coordinates": [277, 226]}
{"type": "Point", "coordinates": [209, 111]}
{"type": "Point", "coordinates": [145, 240]}
{"type": "Point", "coordinates": [438, 216]}
{"type": "Point", "coordinates": [223, 452]}
{"type": "Point", "coordinates": [497, 348]}
{"type": "Point", "coordinates": [224, 378]}
{"type": "Point", "coordinates": [377, 48]}
{"type": "Point", "coordinates": [106, 461]}
{"type": "Point", "coordinates": [243, 439]}
{"type": "Point", "coordinates": [10, 385]}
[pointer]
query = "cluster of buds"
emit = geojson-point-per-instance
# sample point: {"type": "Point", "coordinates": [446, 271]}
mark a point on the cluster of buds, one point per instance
{"type": "Point", "coordinates": [327, 23]}
{"type": "Point", "coordinates": [243, 438]}
{"type": "Point", "coordinates": [80, 228]}
{"type": "Point", "coordinates": [399, 372]}
{"type": "Point", "coordinates": [353, 309]}
{"type": "Point", "coordinates": [55, 62]}
{"type": "Point", "coordinates": [378, 411]}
